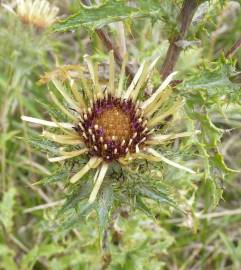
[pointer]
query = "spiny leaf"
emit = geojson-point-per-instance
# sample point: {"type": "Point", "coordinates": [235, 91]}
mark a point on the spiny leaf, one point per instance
{"type": "Point", "coordinates": [77, 196]}
{"type": "Point", "coordinates": [214, 193]}
{"type": "Point", "coordinates": [218, 160]}
{"type": "Point", "coordinates": [76, 219]}
{"type": "Point", "coordinates": [59, 175]}
{"type": "Point", "coordinates": [44, 145]}
{"type": "Point", "coordinates": [52, 111]}
{"type": "Point", "coordinates": [211, 87]}
{"type": "Point", "coordinates": [156, 195]}
{"type": "Point", "coordinates": [213, 82]}
{"type": "Point", "coordinates": [115, 10]}
{"type": "Point", "coordinates": [210, 134]}
{"type": "Point", "coordinates": [97, 16]}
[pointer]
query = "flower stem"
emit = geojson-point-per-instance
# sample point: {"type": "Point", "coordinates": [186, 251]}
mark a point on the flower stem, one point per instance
{"type": "Point", "coordinates": [185, 18]}
{"type": "Point", "coordinates": [234, 48]}
{"type": "Point", "coordinates": [111, 46]}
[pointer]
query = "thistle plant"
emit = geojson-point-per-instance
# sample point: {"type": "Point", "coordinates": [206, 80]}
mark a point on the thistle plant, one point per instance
{"type": "Point", "coordinates": [111, 125]}
{"type": "Point", "coordinates": [116, 131]}
{"type": "Point", "coordinates": [120, 134]}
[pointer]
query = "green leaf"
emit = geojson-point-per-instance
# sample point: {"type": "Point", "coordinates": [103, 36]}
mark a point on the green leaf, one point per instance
{"type": "Point", "coordinates": [210, 87]}
{"type": "Point", "coordinates": [104, 203]}
{"type": "Point", "coordinates": [213, 194]}
{"type": "Point", "coordinates": [214, 83]}
{"type": "Point", "coordinates": [6, 209]}
{"type": "Point", "coordinates": [44, 145]}
{"type": "Point", "coordinates": [210, 134]}
{"type": "Point", "coordinates": [76, 219]}
{"type": "Point", "coordinates": [50, 108]}
{"type": "Point", "coordinates": [115, 10]}
{"type": "Point", "coordinates": [76, 196]}
{"type": "Point", "coordinates": [218, 161]}
{"type": "Point", "coordinates": [155, 195]}
{"type": "Point", "coordinates": [59, 175]}
{"type": "Point", "coordinates": [97, 16]}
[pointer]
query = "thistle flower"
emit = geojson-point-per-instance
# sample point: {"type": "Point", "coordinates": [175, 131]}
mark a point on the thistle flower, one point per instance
{"type": "Point", "coordinates": [38, 13]}
{"type": "Point", "coordinates": [109, 124]}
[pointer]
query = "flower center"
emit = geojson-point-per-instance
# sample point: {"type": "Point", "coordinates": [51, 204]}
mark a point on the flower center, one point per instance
{"type": "Point", "coordinates": [115, 123]}
{"type": "Point", "coordinates": [112, 128]}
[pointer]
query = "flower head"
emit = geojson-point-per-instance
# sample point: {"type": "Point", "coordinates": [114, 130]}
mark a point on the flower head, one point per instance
{"type": "Point", "coordinates": [38, 13]}
{"type": "Point", "coordinates": [109, 123]}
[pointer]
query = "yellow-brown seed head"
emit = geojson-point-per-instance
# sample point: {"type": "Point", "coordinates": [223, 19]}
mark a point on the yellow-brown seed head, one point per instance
{"type": "Point", "coordinates": [116, 123]}
{"type": "Point", "coordinates": [112, 128]}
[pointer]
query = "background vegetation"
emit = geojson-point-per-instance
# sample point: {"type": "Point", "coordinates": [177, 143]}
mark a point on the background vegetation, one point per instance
{"type": "Point", "coordinates": [203, 229]}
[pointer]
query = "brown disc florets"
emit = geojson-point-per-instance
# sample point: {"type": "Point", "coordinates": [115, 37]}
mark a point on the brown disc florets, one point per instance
{"type": "Point", "coordinates": [112, 128]}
